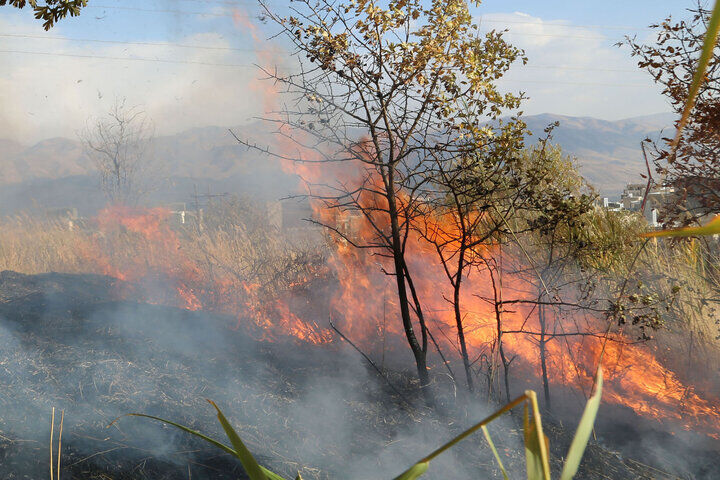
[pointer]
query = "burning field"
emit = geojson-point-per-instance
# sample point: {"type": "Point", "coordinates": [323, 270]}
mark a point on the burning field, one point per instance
{"type": "Point", "coordinates": [155, 318]}
{"type": "Point", "coordinates": [432, 265]}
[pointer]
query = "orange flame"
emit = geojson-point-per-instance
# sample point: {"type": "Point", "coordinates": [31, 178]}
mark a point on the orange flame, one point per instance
{"type": "Point", "coordinates": [365, 298]}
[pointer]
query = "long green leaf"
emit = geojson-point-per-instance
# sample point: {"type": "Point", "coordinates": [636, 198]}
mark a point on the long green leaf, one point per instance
{"type": "Point", "coordinates": [414, 472]}
{"type": "Point", "coordinates": [699, 78]}
{"type": "Point", "coordinates": [543, 444]}
{"type": "Point", "coordinates": [495, 452]}
{"type": "Point", "coordinates": [189, 430]}
{"type": "Point", "coordinates": [710, 228]}
{"type": "Point", "coordinates": [269, 474]}
{"type": "Point", "coordinates": [582, 435]}
{"type": "Point", "coordinates": [533, 460]}
{"type": "Point", "coordinates": [252, 467]}
{"type": "Point", "coordinates": [420, 467]}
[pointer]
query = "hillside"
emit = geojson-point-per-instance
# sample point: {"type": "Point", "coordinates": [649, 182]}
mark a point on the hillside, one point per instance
{"type": "Point", "coordinates": [608, 153]}
{"type": "Point", "coordinates": [56, 171]}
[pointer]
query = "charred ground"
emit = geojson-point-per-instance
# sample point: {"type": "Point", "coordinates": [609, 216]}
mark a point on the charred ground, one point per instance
{"type": "Point", "coordinates": [68, 342]}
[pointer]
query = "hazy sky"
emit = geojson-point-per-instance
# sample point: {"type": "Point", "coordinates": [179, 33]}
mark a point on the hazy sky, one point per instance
{"type": "Point", "coordinates": [189, 64]}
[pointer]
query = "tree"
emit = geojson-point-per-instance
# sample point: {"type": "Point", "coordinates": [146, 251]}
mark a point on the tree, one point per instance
{"type": "Point", "coordinates": [559, 202]}
{"type": "Point", "coordinates": [51, 11]}
{"type": "Point", "coordinates": [385, 92]}
{"type": "Point", "coordinates": [507, 195]}
{"type": "Point", "coordinates": [119, 147]}
{"type": "Point", "coordinates": [474, 205]}
{"type": "Point", "coordinates": [694, 170]}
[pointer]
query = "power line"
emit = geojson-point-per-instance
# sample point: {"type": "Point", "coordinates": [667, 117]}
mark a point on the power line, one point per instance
{"type": "Point", "coordinates": [214, 14]}
{"type": "Point", "coordinates": [235, 65]}
{"type": "Point", "coordinates": [28, 52]}
{"type": "Point", "coordinates": [593, 69]}
{"type": "Point", "coordinates": [154, 10]}
{"type": "Point", "coordinates": [136, 59]}
{"type": "Point", "coordinates": [119, 42]}
{"type": "Point", "coordinates": [482, 19]}
{"type": "Point", "coordinates": [253, 50]}
{"type": "Point", "coordinates": [565, 25]}
{"type": "Point", "coordinates": [562, 82]}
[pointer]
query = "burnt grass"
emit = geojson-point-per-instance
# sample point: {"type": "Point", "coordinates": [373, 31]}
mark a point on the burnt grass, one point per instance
{"type": "Point", "coordinates": [67, 342]}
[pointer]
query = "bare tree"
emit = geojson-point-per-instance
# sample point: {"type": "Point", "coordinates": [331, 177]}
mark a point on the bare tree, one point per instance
{"type": "Point", "coordinates": [119, 146]}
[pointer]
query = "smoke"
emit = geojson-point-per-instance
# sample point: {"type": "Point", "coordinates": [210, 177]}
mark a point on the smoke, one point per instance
{"type": "Point", "coordinates": [69, 346]}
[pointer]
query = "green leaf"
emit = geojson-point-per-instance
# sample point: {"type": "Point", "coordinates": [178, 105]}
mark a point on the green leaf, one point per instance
{"type": "Point", "coordinates": [699, 78]}
{"type": "Point", "coordinates": [710, 228]}
{"type": "Point", "coordinates": [252, 467]}
{"type": "Point", "coordinates": [533, 459]}
{"type": "Point", "coordinates": [414, 472]}
{"type": "Point", "coordinates": [268, 474]}
{"type": "Point", "coordinates": [582, 435]}
{"type": "Point", "coordinates": [495, 452]}
{"type": "Point", "coordinates": [189, 430]}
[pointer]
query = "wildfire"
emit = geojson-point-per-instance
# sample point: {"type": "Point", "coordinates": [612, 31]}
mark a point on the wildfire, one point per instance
{"type": "Point", "coordinates": [364, 302]}
{"type": "Point", "coordinates": [363, 299]}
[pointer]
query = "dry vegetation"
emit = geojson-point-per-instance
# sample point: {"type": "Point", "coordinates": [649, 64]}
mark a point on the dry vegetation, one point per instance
{"type": "Point", "coordinates": [235, 249]}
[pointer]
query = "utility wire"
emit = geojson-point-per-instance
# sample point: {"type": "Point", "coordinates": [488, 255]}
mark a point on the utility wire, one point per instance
{"type": "Point", "coordinates": [227, 14]}
{"type": "Point", "coordinates": [237, 65]}
{"type": "Point", "coordinates": [565, 25]}
{"type": "Point", "coordinates": [482, 19]}
{"type": "Point", "coordinates": [120, 42]}
{"type": "Point", "coordinates": [235, 49]}
{"type": "Point", "coordinates": [136, 59]}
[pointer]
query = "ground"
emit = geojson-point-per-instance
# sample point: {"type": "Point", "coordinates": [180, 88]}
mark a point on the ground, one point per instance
{"type": "Point", "coordinates": [67, 341]}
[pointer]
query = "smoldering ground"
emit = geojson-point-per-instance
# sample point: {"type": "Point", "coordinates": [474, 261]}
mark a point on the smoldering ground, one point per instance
{"type": "Point", "coordinates": [65, 343]}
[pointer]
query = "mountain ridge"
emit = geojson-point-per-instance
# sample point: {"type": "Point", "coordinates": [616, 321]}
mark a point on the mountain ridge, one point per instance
{"type": "Point", "coordinates": [608, 152]}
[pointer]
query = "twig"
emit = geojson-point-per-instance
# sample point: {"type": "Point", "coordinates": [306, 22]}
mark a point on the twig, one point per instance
{"type": "Point", "coordinates": [372, 364]}
{"type": "Point", "coordinates": [62, 418]}
{"type": "Point", "coordinates": [52, 434]}
{"type": "Point", "coordinates": [650, 179]}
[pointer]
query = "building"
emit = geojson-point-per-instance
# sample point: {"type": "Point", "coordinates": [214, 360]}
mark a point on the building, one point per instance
{"type": "Point", "coordinates": [651, 206]}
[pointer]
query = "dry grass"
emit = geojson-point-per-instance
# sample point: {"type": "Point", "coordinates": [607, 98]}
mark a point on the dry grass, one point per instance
{"type": "Point", "coordinates": [233, 260]}
{"type": "Point", "coordinates": [32, 246]}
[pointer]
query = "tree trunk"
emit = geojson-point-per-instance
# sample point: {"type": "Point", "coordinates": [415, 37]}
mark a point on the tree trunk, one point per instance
{"type": "Point", "coordinates": [459, 322]}
{"type": "Point", "coordinates": [543, 353]}
{"type": "Point", "coordinates": [497, 296]}
{"type": "Point", "coordinates": [400, 273]}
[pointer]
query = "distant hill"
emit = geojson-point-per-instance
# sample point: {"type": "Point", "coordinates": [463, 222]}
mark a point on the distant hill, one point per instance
{"type": "Point", "coordinates": [608, 152]}
{"type": "Point", "coordinates": [57, 172]}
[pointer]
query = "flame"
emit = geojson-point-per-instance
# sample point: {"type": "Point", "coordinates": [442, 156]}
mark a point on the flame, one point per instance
{"type": "Point", "coordinates": [364, 301]}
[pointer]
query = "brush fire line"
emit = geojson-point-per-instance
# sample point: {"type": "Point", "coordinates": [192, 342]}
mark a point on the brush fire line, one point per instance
{"type": "Point", "coordinates": [636, 379]}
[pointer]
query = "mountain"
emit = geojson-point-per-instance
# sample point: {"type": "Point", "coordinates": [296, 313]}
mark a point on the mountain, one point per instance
{"type": "Point", "coordinates": [608, 152]}
{"type": "Point", "coordinates": [57, 172]}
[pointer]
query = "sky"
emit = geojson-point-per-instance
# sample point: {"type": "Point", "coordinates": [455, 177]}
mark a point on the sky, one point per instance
{"type": "Point", "coordinates": [189, 63]}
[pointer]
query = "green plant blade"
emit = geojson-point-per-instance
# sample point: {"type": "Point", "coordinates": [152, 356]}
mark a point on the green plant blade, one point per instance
{"type": "Point", "coordinates": [533, 460]}
{"type": "Point", "coordinates": [540, 443]}
{"type": "Point", "coordinates": [699, 78]}
{"type": "Point", "coordinates": [269, 474]}
{"type": "Point", "coordinates": [495, 452]}
{"type": "Point", "coordinates": [582, 434]}
{"type": "Point", "coordinates": [414, 472]}
{"type": "Point", "coordinates": [711, 228]}
{"type": "Point", "coordinates": [252, 467]}
{"type": "Point", "coordinates": [189, 430]}
{"type": "Point", "coordinates": [422, 466]}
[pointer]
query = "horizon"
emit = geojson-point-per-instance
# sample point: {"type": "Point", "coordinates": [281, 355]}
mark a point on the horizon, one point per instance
{"type": "Point", "coordinates": [259, 121]}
